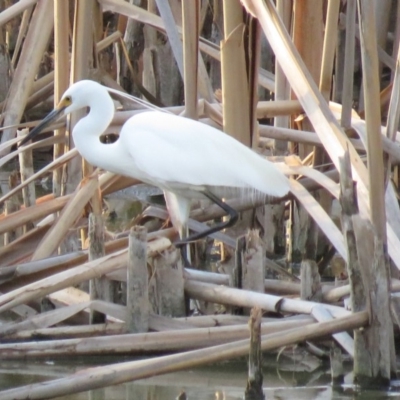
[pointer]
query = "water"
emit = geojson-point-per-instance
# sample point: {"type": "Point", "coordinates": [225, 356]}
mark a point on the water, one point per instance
{"type": "Point", "coordinates": [306, 379]}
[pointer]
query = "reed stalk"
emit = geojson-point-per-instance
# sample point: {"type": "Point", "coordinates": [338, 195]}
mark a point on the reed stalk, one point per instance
{"type": "Point", "coordinates": [61, 75]}
{"type": "Point", "coordinates": [119, 373]}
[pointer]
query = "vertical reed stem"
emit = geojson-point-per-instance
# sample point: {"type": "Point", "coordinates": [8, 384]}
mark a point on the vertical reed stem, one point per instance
{"type": "Point", "coordinates": [137, 302]}
{"type": "Point", "coordinates": [100, 288]}
{"type": "Point", "coordinates": [61, 76]}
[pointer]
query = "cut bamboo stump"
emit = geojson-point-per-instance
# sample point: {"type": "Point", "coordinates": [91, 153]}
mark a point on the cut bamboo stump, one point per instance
{"type": "Point", "coordinates": [254, 388]}
{"type": "Point", "coordinates": [272, 219]}
{"type": "Point", "coordinates": [310, 281]}
{"type": "Point", "coordinates": [236, 273]}
{"type": "Point", "coordinates": [74, 276]}
{"type": "Point", "coordinates": [249, 270]}
{"type": "Point", "coordinates": [26, 169]}
{"type": "Point", "coordinates": [100, 288]}
{"type": "Point", "coordinates": [252, 263]}
{"type": "Point", "coordinates": [395, 308]}
{"type": "Point", "coordinates": [137, 299]}
{"type": "Point", "coordinates": [168, 296]}
{"type": "Point", "coordinates": [337, 375]}
{"type": "Point", "coordinates": [374, 358]}
{"type": "Point", "coordinates": [10, 206]}
{"type": "Point", "coordinates": [348, 202]}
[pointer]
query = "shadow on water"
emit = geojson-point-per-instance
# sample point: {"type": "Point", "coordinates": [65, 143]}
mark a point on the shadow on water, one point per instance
{"type": "Point", "coordinates": [283, 380]}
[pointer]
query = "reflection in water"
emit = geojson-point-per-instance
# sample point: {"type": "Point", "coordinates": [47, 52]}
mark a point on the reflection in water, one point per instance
{"type": "Point", "coordinates": [284, 380]}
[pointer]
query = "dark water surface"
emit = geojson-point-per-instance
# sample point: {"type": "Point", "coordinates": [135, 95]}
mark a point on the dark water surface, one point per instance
{"type": "Point", "coordinates": [288, 378]}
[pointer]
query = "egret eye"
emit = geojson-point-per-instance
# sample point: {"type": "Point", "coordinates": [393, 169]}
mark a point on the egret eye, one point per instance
{"type": "Point", "coordinates": [68, 100]}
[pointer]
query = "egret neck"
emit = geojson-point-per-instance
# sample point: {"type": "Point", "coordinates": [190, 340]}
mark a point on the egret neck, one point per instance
{"type": "Point", "coordinates": [87, 131]}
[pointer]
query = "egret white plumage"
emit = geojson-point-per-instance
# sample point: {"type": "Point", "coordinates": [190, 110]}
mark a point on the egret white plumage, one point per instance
{"type": "Point", "coordinates": [185, 158]}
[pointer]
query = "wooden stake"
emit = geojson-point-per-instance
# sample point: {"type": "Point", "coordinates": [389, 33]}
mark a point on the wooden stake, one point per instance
{"type": "Point", "coordinates": [348, 202]}
{"type": "Point", "coordinates": [337, 375]}
{"type": "Point", "coordinates": [26, 169]}
{"type": "Point", "coordinates": [100, 288]}
{"type": "Point", "coordinates": [73, 276]}
{"type": "Point", "coordinates": [370, 64]}
{"type": "Point", "coordinates": [254, 388]}
{"type": "Point", "coordinates": [235, 278]}
{"type": "Point", "coordinates": [137, 302]}
{"type": "Point", "coordinates": [169, 298]}
{"type": "Point", "coordinates": [310, 281]}
{"type": "Point", "coordinates": [253, 265]}
{"type": "Point", "coordinates": [367, 269]}
{"type": "Point", "coordinates": [10, 207]}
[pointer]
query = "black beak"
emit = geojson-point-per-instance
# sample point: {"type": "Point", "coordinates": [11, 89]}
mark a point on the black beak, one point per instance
{"type": "Point", "coordinates": [46, 122]}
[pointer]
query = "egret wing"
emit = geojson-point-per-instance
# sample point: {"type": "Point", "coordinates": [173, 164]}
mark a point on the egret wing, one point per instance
{"type": "Point", "coordinates": [171, 149]}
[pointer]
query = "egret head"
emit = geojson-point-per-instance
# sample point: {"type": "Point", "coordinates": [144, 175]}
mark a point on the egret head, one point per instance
{"type": "Point", "coordinates": [75, 98]}
{"type": "Point", "coordinates": [80, 95]}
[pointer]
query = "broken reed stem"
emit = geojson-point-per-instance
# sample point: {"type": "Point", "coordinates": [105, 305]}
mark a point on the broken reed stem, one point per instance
{"type": "Point", "coordinates": [26, 170]}
{"type": "Point", "coordinates": [11, 206]}
{"type": "Point", "coordinates": [169, 299]}
{"type": "Point", "coordinates": [99, 287]}
{"type": "Point", "coordinates": [282, 91]}
{"type": "Point", "coordinates": [190, 15]}
{"type": "Point", "coordinates": [137, 301]}
{"type": "Point", "coordinates": [370, 64]}
{"type": "Point", "coordinates": [61, 76]}
{"type": "Point", "coordinates": [168, 340]}
{"type": "Point", "coordinates": [119, 373]}
{"type": "Point", "coordinates": [235, 90]}
{"type": "Point", "coordinates": [254, 388]}
{"type": "Point", "coordinates": [186, 333]}
{"type": "Point", "coordinates": [15, 9]}
{"type": "Point", "coordinates": [32, 51]}
{"type": "Point", "coordinates": [343, 338]}
{"type": "Point", "coordinates": [72, 276]}
{"type": "Point", "coordinates": [329, 47]}
{"type": "Point", "coordinates": [348, 70]}
{"type": "Point", "coordinates": [372, 357]}
{"type": "Point", "coordinates": [245, 298]}
{"type": "Point", "coordinates": [26, 16]}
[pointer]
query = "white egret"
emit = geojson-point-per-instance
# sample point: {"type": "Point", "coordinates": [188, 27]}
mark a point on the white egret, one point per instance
{"type": "Point", "coordinates": [185, 158]}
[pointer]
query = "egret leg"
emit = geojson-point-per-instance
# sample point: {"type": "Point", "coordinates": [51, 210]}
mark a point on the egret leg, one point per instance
{"type": "Point", "coordinates": [233, 217]}
{"type": "Point", "coordinates": [179, 208]}
{"type": "Point", "coordinates": [183, 248]}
